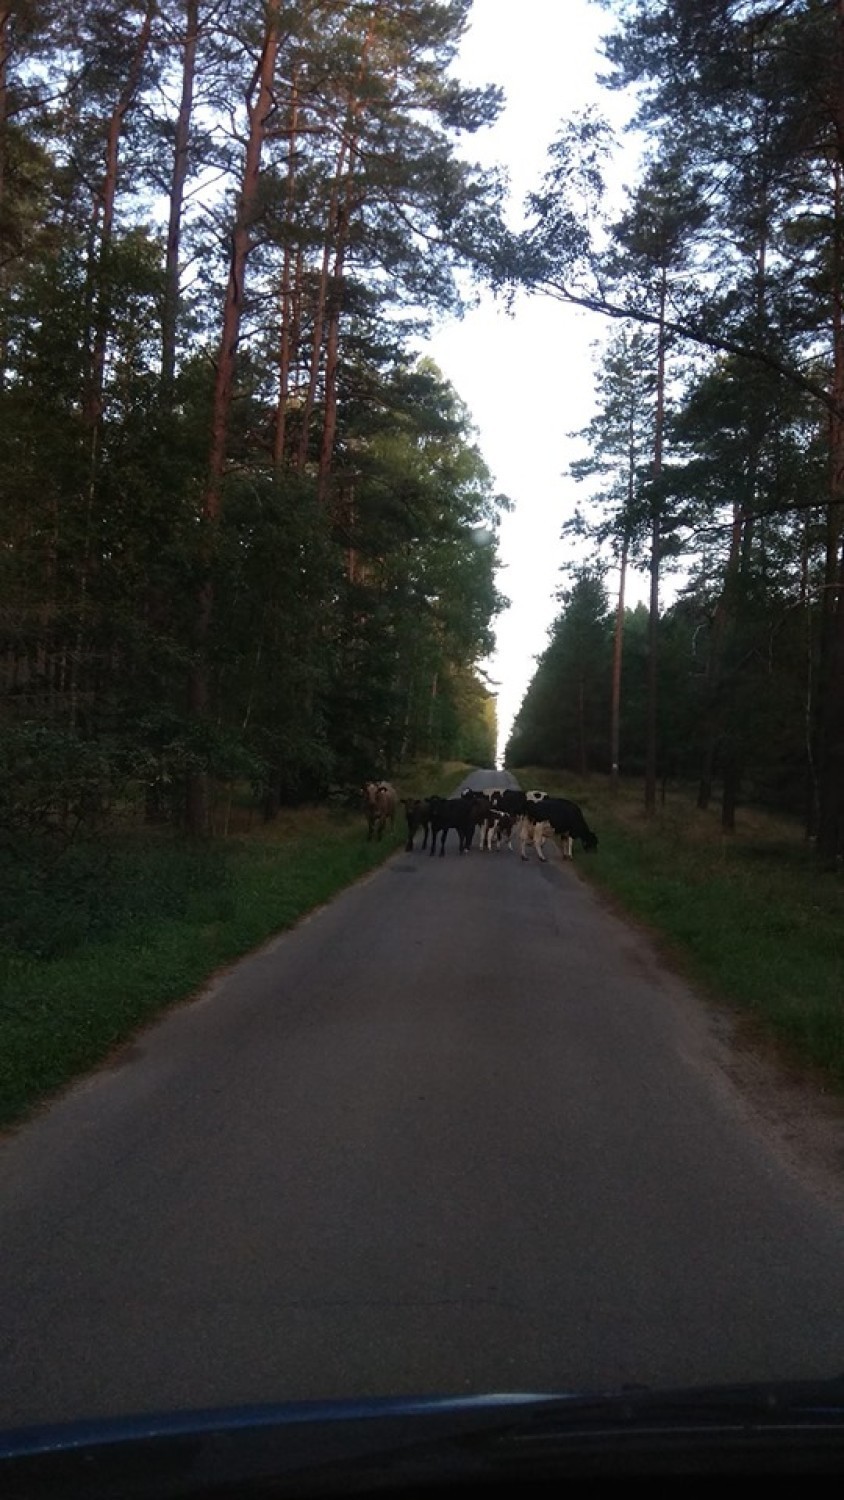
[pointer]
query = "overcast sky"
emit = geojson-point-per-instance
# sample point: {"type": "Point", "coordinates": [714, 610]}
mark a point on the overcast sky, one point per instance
{"type": "Point", "coordinates": [528, 378]}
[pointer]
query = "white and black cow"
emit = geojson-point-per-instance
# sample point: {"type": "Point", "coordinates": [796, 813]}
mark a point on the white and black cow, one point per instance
{"type": "Point", "coordinates": [496, 824]}
{"type": "Point", "coordinates": [555, 815]}
{"type": "Point", "coordinates": [496, 828]}
{"type": "Point", "coordinates": [518, 804]}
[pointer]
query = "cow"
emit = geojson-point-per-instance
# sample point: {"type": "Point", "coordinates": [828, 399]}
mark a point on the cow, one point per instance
{"type": "Point", "coordinates": [518, 803]}
{"type": "Point", "coordinates": [557, 815]}
{"type": "Point", "coordinates": [463, 813]}
{"type": "Point", "coordinates": [565, 838]}
{"type": "Point", "coordinates": [496, 825]}
{"type": "Point", "coordinates": [510, 800]}
{"type": "Point", "coordinates": [418, 814]}
{"type": "Point", "coordinates": [495, 828]}
{"type": "Point", "coordinates": [379, 802]}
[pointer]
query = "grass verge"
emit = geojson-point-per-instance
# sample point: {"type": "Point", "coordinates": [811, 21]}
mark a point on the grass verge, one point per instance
{"type": "Point", "coordinates": [748, 915]}
{"type": "Point", "coordinates": [158, 923]}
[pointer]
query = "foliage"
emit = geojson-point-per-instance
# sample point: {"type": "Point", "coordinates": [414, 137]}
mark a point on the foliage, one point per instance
{"type": "Point", "coordinates": [291, 619]}
{"type": "Point", "coordinates": [718, 447]}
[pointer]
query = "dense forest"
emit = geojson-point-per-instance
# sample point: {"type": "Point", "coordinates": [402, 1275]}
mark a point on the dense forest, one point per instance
{"type": "Point", "coordinates": [247, 533]}
{"type": "Point", "coordinates": [715, 459]}
{"type": "Point", "coordinates": [248, 536]}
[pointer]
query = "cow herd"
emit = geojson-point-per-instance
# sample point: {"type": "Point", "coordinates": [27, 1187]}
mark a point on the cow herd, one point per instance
{"type": "Point", "coordinates": [499, 814]}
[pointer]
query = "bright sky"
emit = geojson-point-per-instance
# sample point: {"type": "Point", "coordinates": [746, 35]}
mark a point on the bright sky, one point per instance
{"type": "Point", "coordinates": [528, 378]}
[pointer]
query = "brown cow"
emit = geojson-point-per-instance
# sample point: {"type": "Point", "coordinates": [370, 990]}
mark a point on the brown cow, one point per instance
{"type": "Point", "coordinates": [380, 802]}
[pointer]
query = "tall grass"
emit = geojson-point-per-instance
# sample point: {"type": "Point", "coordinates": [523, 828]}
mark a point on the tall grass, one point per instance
{"type": "Point", "coordinates": [749, 915]}
{"type": "Point", "coordinates": [100, 941]}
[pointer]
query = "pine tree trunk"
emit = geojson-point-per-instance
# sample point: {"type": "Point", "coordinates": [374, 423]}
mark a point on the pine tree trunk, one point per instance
{"type": "Point", "coordinates": [656, 541]}
{"type": "Point", "coordinates": [332, 355]}
{"type": "Point", "coordinates": [330, 290]}
{"type": "Point", "coordinates": [5, 50]}
{"type": "Point", "coordinates": [830, 844]}
{"type": "Point", "coordinates": [721, 620]}
{"type": "Point", "coordinates": [811, 795]}
{"type": "Point", "coordinates": [260, 105]}
{"type": "Point", "coordinates": [101, 299]}
{"type": "Point", "coordinates": [617, 651]}
{"type": "Point", "coordinates": [286, 297]}
{"type": "Point", "coordinates": [318, 334]}
{"type": "Point", "coordinates": [172, 294]}
{"type": "Point", "coordinates": [732, 786]}
{"type": "Point", "coordinates": [707, 769]}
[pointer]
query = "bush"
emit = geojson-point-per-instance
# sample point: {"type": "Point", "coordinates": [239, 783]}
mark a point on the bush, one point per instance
{"type": "Point", "coordinates": [54, 903]}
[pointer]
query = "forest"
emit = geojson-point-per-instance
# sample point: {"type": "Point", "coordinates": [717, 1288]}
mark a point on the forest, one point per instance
{"type": "Point", "coordinates": [714, 463]}
{"type": "Point", "coordinates": [248, 536]}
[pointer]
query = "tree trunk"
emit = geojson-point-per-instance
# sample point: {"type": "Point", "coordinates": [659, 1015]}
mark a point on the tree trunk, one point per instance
{"type": "Point", "coordinates": [811, 821]}
{"type": "Point", "coordinates": [435, 682]}
{"type": "Point", "coordinates": [831, 768]}
{"type": "Point", "coordinates": [5, 50]}
{"type": "Point", "coordinates": [318, 333]}
{"type": "Point", "coordinates": [101, 299]}
{"type": "Point", "coordinates": [332, 353]}
{"type": "Point", "coordinates": [656, 540]}
{"type": "Point", "coordinates": [330, 290]}
{"type": "Point", "coordinates": [172, 294]}
{"type": "Point", "coordinates": [259, 106]}
{"type": "Point", "coordinates": [617, 650]}
{"type": "Point", "coordinates": [724, 607]}
{"type": "Point", "coordinates": [830, 845]}
{"type": "Point", "coordinates": [286, 298]}
{"type": "Point", "coordinates": [732, 786]}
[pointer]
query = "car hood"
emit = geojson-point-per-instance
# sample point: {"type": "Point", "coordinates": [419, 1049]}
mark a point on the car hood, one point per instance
{"type": "Point", "coordinates": [429, 1444]}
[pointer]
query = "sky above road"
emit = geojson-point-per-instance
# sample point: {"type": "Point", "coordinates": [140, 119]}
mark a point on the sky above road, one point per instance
{"type": "Point", "coordinates": [527, 377]}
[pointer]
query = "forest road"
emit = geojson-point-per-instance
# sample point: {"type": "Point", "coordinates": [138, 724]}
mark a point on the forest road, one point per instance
{"type": "Point", "coordinates": [459, 1131]}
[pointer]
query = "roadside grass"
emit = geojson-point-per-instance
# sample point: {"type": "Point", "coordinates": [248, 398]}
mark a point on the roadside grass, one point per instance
{"type": "Point", "coordinates": [141, 920]}
{"type": "Point", "coordinates": [748, 915]}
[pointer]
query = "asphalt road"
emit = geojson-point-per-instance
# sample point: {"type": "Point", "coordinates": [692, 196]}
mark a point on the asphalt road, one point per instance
{"type": "Point", "coordinates": [457, 1132]}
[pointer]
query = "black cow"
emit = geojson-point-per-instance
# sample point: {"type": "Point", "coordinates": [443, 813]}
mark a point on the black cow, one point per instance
{"type": "Point", "coordinates": [463, 813]}
{"type": "Point", "coordinates": [564, 817]}
{"type": "Point", "coordinates": [418, 814]}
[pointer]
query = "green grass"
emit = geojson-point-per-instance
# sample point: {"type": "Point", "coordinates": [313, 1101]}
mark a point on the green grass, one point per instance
{"type": "Point", "coordinates": [138, 922]}
{"type": "Point", "coordinates": [747, 915]}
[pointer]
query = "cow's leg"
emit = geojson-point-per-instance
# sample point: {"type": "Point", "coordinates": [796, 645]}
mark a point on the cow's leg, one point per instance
{"type": "Point", "coordinates": [568, 846]}
{"type": "Point", "coordinates": [539, 840]}
{"type": "Point", "coordinates": [525, 836]}
{"type": "Point", "coordinates": [426, 826]}
{"type": "Point", "coordinates": [442, 841]}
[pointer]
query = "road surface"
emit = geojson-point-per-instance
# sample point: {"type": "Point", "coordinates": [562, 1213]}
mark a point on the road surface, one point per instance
{"type": "Point", "coordinates": [459, 1131]}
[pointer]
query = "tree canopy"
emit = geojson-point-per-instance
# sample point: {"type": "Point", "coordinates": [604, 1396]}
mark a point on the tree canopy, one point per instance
{"type": "Point", "coordinates": [247, 532]}
{"type": "Point", "coordinates": [721, 403]}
